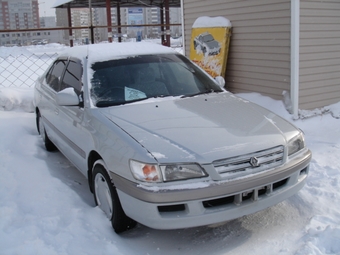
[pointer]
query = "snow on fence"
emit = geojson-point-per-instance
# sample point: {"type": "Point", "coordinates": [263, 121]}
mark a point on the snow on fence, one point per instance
{"type": "Point", "coordinates": [21, 66]}
{"type": "Point", "coordinates": [22, 70]}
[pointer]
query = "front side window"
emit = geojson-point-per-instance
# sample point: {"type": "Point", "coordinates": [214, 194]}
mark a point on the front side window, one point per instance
{"type": "Point", "coordinates": [54, 75]}
{"type": "Point", "coordinates": [137, 78]}
{"type": "Point", "coordinates": [72, 77]}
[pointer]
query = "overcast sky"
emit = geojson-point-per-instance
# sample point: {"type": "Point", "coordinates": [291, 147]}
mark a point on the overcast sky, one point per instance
{"type": "Point", "coordinates": [45, 8]}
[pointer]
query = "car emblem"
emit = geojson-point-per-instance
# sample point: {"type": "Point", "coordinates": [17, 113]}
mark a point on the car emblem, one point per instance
{"type": "Point", "coordinates": [254, 161]}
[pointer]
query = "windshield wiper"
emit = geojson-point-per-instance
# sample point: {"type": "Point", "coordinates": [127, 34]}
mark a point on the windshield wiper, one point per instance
{"type": "Point", "coordinates": [161, 96]}
{"type": "Point", "coordinates": [202, 92]}
{"type": "Point", "coordinates": [101, 104]}
{"type": "Point", "coordinates": [113, 103]}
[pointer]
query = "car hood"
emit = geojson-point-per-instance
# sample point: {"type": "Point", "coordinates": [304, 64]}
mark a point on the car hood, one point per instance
{"type": "Point", "coordinates": [202, 128]}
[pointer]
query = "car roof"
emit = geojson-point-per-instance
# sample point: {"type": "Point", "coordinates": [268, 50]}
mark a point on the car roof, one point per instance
{"type": "Point", "coordinates": [109, 51]}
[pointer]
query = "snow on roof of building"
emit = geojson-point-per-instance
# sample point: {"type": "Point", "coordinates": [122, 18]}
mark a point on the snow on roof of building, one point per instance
{"type": "Point", "coordinates": [60, 2]}
{"type": "Point", "coordinates": [206, 21]}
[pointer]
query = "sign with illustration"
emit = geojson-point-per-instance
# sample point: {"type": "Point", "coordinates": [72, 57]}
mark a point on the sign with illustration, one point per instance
{"type": "Point", "coordinates": [210, 44]}
{"type": "Point", "coordinates": [135, 17]}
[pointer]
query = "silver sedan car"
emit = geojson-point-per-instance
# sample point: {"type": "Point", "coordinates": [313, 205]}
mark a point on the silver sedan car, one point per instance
{"type": "Point", "coordinates": [161, 142]}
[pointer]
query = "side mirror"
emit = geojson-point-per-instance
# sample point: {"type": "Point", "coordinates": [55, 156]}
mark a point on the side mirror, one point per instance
{"type": "Point", "coordinates": [220, 81]}
{"type": "Point", "coordinates": [67, 97]}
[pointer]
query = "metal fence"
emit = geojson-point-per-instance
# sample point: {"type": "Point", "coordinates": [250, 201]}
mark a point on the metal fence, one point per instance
{"type": "Point", "coordinates": [22, 70]}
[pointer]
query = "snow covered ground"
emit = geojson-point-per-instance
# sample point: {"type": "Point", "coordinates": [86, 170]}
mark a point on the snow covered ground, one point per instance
{"type": "Point", "coordinates": [47, 208]}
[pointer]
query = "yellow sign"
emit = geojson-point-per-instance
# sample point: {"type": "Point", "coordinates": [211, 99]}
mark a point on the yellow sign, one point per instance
{"type": "Point", "coordinates": [209, 48]}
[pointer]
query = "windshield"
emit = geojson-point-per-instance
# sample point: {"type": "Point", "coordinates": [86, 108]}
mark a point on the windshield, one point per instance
{"type": "Point", "coordinates": [138, 78]}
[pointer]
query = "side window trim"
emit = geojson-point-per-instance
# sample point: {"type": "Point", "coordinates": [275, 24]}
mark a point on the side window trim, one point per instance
{"type": "Point", "coordinates": [72, 78]}
{"type": "Point", "coordinates": [55, 80]}
{"type": "Point", "coordinates": [78, 62]}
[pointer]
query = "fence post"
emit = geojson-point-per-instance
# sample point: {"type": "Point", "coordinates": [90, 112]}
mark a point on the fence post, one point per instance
{"type": "Point", "coordinates": [69, 24]}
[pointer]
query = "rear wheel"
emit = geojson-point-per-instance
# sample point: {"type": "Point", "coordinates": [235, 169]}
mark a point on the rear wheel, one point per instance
{"type": "Point", "coordinates": [41, 129]}
{"type": "Point", "coordinates": [106, 198]}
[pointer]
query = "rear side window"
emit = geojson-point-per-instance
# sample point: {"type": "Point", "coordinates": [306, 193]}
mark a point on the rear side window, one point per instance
{"type": "Point", "coordinates": [54, 75]}
{"type": "Point", "coordinates": [72, 77]}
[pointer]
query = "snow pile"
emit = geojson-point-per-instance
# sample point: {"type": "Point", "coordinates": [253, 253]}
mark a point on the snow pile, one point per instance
{"type": "Point", "coordinates": [14, 51]}
{"type": "Point", "coordinates": [322, 237]}
{"type": "Point", "coordinates": [47, 49]}
{"type": "Point", "coordinates": [176, 43]}
{"type": "Point", "coordinates": [16, 98]}
{"type": "Point", "coordinates": [51, 49]}
{"type": "Point", "coordinates": [282, 107]}
{"type": "Point", "coordinates": [333, 109]}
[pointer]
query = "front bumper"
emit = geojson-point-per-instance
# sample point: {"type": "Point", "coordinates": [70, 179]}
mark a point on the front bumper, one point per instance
{"type": "Point", "coordinates": [217, 202]}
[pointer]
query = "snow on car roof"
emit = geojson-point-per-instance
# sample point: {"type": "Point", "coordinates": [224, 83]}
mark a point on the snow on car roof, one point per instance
{"type": "Point", "coordinates": [206, 21]}
{"type": "Point", "coordinates": [109, 51]}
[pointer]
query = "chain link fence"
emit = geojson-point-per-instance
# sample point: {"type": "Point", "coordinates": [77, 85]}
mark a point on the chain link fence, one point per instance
{"type": "Point", "coordinates": [22, 70]}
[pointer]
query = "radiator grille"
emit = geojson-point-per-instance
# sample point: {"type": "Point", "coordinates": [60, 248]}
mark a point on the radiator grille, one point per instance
{"type": "Point", "coordinates": [250, 163]}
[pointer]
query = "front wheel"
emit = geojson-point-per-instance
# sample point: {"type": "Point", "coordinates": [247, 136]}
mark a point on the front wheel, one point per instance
{"type": "Point", "coordinates": [107, 200]}
{"type": "Point", "coordinates": [49, 145]}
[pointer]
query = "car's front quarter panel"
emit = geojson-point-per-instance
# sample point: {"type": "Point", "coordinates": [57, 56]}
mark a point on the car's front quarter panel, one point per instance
{"type": "Point", "coordinates": [115, 146]}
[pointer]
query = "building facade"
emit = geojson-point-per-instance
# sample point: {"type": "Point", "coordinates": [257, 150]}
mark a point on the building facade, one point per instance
{"type": "Point", "coordinates": [279, 45]}
{"type": "Point", "coordinates": [19, 14]}
{"type": "Point", "coordinates": [52, 36]}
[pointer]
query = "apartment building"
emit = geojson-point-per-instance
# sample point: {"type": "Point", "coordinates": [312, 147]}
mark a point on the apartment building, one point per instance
{"type": "Point", "coordinates": [19, 14]}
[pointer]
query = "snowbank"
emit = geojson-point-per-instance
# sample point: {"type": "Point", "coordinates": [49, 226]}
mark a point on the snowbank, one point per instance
{"type": "Point", "coordinates": [16, 99]}
{"type": "Point", "coordinates": [14, 51]}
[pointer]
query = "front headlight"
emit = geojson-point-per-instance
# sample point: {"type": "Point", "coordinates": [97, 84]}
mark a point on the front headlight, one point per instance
{"type": "Point", "coordinates": [296, 144]}
{"type": "Point", "coordinates": [170, 172]}
{"type": "Point", "coordinates": [181, 172]}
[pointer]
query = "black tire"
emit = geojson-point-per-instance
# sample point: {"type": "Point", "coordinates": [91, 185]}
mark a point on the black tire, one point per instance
{"type": "Point", "coordinates": [49, 145]}
{"type": "Point", "coordinates": [106, 198]}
